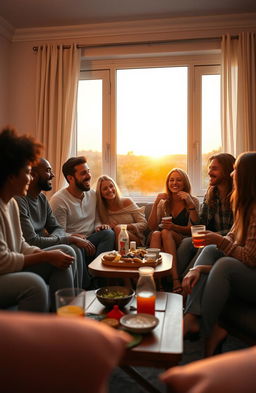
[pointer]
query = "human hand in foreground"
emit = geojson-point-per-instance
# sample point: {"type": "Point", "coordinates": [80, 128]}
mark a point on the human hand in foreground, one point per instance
{"type": "Point", "coordinates": [212, 237]}
{"type": "Point", "coordinates": [190, 280]}
{"type": "Point", "coordinates": [102, 227]}
{"type": "Point", "coordinates": [58, 258]}
{"type": "Point", "coordinates": [184, 196]}
{"type": "Point", "coordinates": [167, 224]}
{"type": "Point", "coordinates": [83, 243]}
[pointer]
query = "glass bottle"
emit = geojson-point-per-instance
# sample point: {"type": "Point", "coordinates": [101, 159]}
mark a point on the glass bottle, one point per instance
{"type": "Point", "coordinates": [132, 246]}
{"type": "Point", "coordinates": [146, 291]}
{"type": "Point", "coordinates": [123, 241]}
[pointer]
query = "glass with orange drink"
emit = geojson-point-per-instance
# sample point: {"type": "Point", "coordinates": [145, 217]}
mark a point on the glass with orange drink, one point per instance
{"type": "Point", "coordinates": [198, 238]}
{"type": "Point", "coordinates": [70, 302]}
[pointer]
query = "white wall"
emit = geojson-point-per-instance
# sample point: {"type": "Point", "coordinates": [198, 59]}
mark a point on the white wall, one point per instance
{"type": "Point", "coordinates": [22, 88]}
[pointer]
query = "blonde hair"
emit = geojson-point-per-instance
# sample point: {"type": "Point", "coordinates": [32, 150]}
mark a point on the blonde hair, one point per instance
{"type": "Point", "coordinates": [243, 197]}
{"type": "Point", "coordinates": [186, 188]}
{"type": "Point", "coordinates": [102, 207]}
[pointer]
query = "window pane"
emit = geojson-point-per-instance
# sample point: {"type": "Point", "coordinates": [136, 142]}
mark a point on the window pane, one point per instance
{"type": "Point", "coordinates": [151, 127]}
{"type": "Point", "coordinates": [211, 121]}
{"type": "Point", "coordinates": [89, 124]}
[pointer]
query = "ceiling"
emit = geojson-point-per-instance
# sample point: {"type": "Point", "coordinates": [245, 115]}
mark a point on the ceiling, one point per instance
{"type": "Point", "coordinates": [45, 13]}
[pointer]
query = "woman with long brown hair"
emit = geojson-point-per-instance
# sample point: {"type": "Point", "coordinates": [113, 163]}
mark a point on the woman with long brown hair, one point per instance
{"type": "Point", "coordinates": [227, 265]}
{"type": "Point", "coordinates": [182, 208]}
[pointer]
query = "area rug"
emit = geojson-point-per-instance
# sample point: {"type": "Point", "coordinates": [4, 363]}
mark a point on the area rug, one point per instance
{"type": "Point", "coordinates": [120, 382]}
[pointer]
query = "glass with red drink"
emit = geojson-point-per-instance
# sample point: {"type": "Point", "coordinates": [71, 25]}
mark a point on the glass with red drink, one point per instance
{"type": "Point", "coordinates": [198, 238]}
{"type": "Point", "coordinates": [146, 291]}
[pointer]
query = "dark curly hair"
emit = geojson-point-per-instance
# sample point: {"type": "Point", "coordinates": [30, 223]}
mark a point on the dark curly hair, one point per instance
{"type": "Point", "coordinates": [16, 152]}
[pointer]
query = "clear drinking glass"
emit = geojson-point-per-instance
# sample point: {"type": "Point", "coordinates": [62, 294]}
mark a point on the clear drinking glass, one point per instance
{"type": "Point", "coordinates": [198, 238]}
{"type": "Point", "coordinates": [70, 302]}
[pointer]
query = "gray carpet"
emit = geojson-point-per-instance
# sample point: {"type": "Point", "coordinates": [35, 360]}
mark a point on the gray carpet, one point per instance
{"type": "Point", "coordinates": [120, 382]}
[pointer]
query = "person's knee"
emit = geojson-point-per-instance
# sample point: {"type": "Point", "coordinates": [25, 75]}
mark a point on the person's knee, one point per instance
{"type": "Point", "coordinates": [156, 235]}
{"type": "Point", "coordinates": [67, 250]}
{"type": "Point", "coordinates": [108, 235]}
{"type": "Point", "coordinates": [225, 266]}
{"type": "Point", "coordinates": [166, 234]}
{"type": "Point", "coordinates": [37, 288]}
{"type": "Point", "coordinates": [210, 251]}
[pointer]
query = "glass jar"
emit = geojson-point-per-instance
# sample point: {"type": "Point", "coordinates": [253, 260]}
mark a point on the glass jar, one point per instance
{"type": "Point", "coordinates": [146, 291]}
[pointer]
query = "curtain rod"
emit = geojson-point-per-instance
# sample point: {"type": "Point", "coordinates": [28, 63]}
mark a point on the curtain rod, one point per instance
{"type": "Point", "coordinates": [82, 46]}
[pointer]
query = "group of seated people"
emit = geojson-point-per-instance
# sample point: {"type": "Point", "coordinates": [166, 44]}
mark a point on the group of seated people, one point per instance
{"type": "Point", "coordinates": [51, 243]}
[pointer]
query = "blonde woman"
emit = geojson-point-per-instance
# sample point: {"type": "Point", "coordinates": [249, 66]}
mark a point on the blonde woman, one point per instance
{"type": "Point", "coordinates": [114, 210]}
{"type": "Point", "coordinates": [177, 203]}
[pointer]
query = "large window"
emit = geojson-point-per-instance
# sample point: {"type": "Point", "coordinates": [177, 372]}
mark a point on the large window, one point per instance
{"type": "Point", "coordinates": [151, 127]}
{"type": "Point", "coordinates": [136, 123]}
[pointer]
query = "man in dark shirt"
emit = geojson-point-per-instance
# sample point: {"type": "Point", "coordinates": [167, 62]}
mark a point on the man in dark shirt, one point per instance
{"type": "Point", "coordinates": [40, 227]}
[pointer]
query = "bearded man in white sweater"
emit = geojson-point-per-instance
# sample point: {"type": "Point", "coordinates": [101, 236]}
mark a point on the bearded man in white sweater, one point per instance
{"type": "Point", "coordinates": [75, 209]}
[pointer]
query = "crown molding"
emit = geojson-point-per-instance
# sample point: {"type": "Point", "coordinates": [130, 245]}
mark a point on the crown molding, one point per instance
{"type": "Point", "coordinates": [142, 30]}
{"type": "Point", "coordinates": [6, 30]}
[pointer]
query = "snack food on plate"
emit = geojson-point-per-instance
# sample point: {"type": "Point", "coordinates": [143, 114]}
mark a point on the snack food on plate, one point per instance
{"type": "Point", "coordinates": [132, 259]}
{"type": "Point", "coordinates": [113, 256]}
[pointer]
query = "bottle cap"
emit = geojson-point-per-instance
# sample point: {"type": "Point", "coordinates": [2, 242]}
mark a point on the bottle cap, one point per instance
{"type": "Point", "coordinates": [146, 270]}
{"type": "Point", "coordinates": [123, 226]}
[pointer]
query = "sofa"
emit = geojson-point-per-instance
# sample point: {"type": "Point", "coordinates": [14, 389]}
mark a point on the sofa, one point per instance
{"type": "Point", "coordinates": [238, 317]}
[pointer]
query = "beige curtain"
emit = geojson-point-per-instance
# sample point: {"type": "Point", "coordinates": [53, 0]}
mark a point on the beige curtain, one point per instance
{"type": "Point", "coordinates": [57, 79]}
{"type": "Point", "coordinates": [239, 93]}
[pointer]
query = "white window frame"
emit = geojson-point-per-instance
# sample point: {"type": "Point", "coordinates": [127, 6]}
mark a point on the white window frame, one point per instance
{"type": "Point", "coordinates": [196, 63]}
{"type": "Point", "coordinates": [104, 76]}
{"type": "Point", "coordinates": [195, 159]}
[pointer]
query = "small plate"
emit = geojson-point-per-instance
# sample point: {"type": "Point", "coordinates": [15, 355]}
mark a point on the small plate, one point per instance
{"type": "Point", "coordinates": [139, 323]}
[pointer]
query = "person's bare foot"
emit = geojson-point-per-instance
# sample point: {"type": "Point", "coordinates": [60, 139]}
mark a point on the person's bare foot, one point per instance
{"type": "Point", "coordinates": [190, 324]}
{"type": "Point", "coordinates": [214, 340]}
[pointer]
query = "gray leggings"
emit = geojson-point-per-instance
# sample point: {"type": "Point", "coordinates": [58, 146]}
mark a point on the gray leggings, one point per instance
{"type": "Point", "coordinates": [227, 277]}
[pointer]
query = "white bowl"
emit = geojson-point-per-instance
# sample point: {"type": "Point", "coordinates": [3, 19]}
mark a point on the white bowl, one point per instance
{"type": "Point", "coordinates": [139, 323]}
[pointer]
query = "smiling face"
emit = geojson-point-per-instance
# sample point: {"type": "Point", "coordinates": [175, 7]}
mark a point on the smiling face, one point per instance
{"type": "Point", "coordinates": [108, 190]}
{"type": "Point", "coordinates": [44, 175]}
{"type": "Point", "coordinates": [21, 181]}
{"type": "Point", "coordinates": [175, 182]}
{"type": "Point", "coordinates": [81, 178]}
{"type": "Point", "coordinates": [216, 173]}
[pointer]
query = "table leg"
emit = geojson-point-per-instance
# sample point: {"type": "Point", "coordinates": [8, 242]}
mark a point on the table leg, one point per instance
{"type": "Point", "coordinates": [140, 379]}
